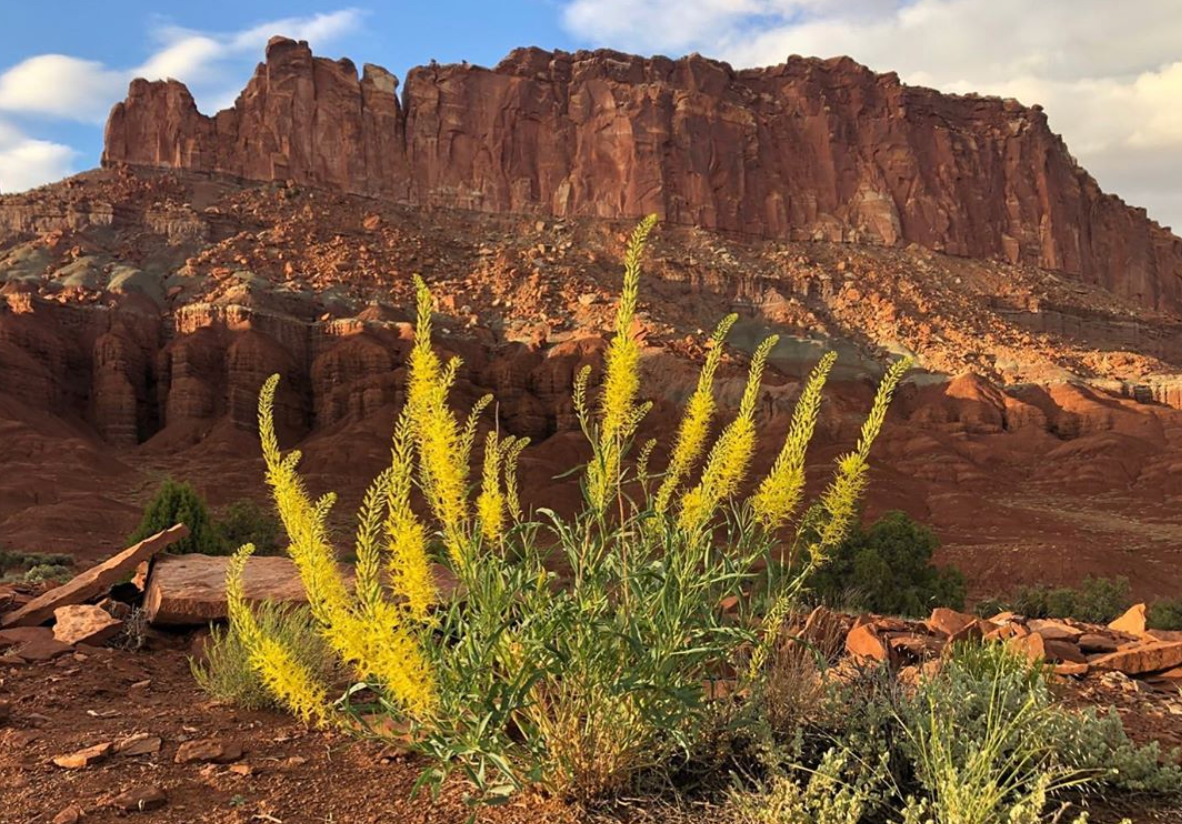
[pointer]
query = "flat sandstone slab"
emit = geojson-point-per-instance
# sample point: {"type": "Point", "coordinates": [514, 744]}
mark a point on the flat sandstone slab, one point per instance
{"type": "Point", "coordinates": [94, 581]}
{"type": "Point", "coordinates": [1154, 657]}
{"type": "Point", "coordinates": [190, 590]}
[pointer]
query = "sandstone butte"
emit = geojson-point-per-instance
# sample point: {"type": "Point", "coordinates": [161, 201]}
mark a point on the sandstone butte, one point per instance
{"type": "Point", "coordinates": [810, 149]}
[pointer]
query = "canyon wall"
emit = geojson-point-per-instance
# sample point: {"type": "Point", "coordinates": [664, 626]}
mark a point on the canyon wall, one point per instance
{"type": "Point", "coordinates": [809, 149]}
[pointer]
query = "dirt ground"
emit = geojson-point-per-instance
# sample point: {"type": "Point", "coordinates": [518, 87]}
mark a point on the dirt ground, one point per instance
{"type": "Point", "coordinates": [286, 773]}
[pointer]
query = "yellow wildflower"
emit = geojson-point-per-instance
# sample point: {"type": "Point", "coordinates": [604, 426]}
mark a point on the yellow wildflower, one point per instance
{"type": "Point", "coordinates": [406, 537]}
{"type": "Point", "coordinates": [617, 409]}
{"type": "Point", "coordinates": [727, 463]}
{"type": "Point", "coordinates": [280, 672]}
{"type": "Point", "coordinates": [780, 492]}
{"type": "Point", "coordinates": [695, 423]}
{"type": "Point", "coordinates": [490, 503]}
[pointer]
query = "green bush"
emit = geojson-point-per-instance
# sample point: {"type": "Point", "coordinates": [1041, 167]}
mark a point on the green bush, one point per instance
{"type": "Point", "coordinates": [989, 711]}
{"type": "Point", "coordinates": [48, 572]}
{"type": "Point", "coordinates": [245, 522]}
{"type": "Point", "coordinates": [888, 569]}
{"type": "Point", "coordinates": [1166, 614]}
{"type": "Point", "coordinates": [225, 673]}
{"type": "Point", "coordinates": [1096, 600]}
{"type": "Point", "coordinates": [34, 566]}
{"type": "Point", "coordinates": [178, 503]}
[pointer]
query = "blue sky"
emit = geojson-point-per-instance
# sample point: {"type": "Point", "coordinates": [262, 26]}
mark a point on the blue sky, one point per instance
{"type": "Point", "coordinates": [1109, 74]}
{"type": "Point", "coordinates": [115, 39]}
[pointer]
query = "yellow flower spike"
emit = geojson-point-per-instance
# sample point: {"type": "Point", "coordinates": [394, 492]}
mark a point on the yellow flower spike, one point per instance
{"type": "Point", "coordinates": [393, 657]}
{"type": "Point", "coordinates": [440, 441]}
{"type": "Point", "coordinates": [406, 538]}
{"type": "Point", "coordinates": [469, 436]}
{"type": "Point", "coordinates": [366, 546]}
{"type": "Point", "coordinates": [281, 674]}
{"type": "Point", "coordinates": [781, 491]}
{"type": "Point", "coordinates": [727, 463]}
{"type": "Point", "coordinates": [839, 508]}
{"type": "Point", "coordinates": [839, 502]}
{"type": "Point", "coordinates": [304, 521]}
{"type": "Point", "coordinates": [695, 423]}
{"type": "Point", "coordinates": [511, 453]}
{"type": "Point", "coordinates": [621, 381]}
{"type": "Point", "coordinates": [369, 634]}
{"type": "Point", "coordinates": [646, 452]}
{"type": "Point", "coordinates": [490, 504]}
{"type": "Point", "coordinates": [579, 396]}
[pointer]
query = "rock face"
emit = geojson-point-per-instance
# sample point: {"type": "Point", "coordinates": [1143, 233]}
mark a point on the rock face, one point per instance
{"type": "Point", "coordinates": [807, 149]}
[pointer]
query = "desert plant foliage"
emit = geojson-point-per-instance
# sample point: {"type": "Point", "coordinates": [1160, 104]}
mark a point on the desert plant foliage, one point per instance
{"type": "Point", "coordinates": [577, 652]}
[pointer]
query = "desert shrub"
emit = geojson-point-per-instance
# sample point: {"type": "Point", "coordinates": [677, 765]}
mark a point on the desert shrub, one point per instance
{"type": "Point", "coordinates": [224, 671]}
{"type": "Point", "coordinates": [1165, 614]}
{"type": "Point", "coordinates": [981, 736]}
{"type": "Point", "coordinates": [1097, 600]}
{"type": "Point", "coordinates": [34, 566]}
{"type": "Point", "coordinates": [981, 740]}
{"type": "Point", "coordinates": [1096, 742]}
{"type": "Point", "coordinates": [178, 503]}
{"type": "Point", "coordinates": [887, 568]}
{"type": "Point", "coordinates": [47, 572]}
{"type": "Point", "coordinates": [245, 522]}
{"type": "Point", "coordinates": [841, 789]}
{"type": "Point", "coordinates": [990, 743]}
{"type": "Point", "coordinates": [582, 686]}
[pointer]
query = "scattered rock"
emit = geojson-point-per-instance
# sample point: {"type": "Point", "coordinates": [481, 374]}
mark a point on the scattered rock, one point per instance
{"type": "Point", "coordinates": [140, 743]}
{"type": "Point", "coordinates": [30, 644]}
{"type": "Point", "coordinates": [864, 644]}
{"type": "Point", "coordinates": [84, 624]}
{"type": "Point", "coordinates": [208, 751]}
{"type": "Point", "coordinates": [94, 581]}
{"type": "Point", "coordinates": [1032, 645]}
{"type": "Point", "coordinates": [140, 799]}
{"type": "Point", "coordinates": [1152, 657]}
{"type": "Point", "coordinates": [1054, 630]}
{"type": "Point", "coordinates": [83, 758]}
{"type": "Point", "coordinates": [956, 625]}
{"type": "Point", "coordinates": [1132, 622]}
{"type": "Point", "coordinates": [1072, 669]}
{"type": "Point", "coordinates": [190, 590]}
{"type": "Point", "coordinates": [70, 815]}
{"type": "Point", "coordinates": [1061, 651]}
{"type": "Point", "coordinates": [1092, 642]}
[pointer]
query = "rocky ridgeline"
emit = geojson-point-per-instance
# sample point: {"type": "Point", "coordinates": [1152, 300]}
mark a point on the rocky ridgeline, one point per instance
{"type": "Point", "coordinates": [810, 149]}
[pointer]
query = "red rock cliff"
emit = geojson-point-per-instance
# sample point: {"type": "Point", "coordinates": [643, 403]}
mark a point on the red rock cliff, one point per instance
{"type": "Point", "coordinates": [808, 149]}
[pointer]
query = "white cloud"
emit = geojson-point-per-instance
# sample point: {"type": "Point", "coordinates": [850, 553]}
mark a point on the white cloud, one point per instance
{"type": "Point", "coordinates": [64, 87]}
{"type": "Point", "coordinates": [26, 162]}
{"type": "Point", "coordinates": [1109, 74]}
{"type": "Point", "coordinates": [61, 86]}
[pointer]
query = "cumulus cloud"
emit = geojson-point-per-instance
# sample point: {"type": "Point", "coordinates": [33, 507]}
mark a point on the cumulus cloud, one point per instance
{"type": "Point", "coordinates": [26, 162]}
{"type": "Point", "coordinates": [1109, 74]}
{"type": "Point", "coordinates": [62, 86]}
{"type": "Point", "coordinates": [69, 88]}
